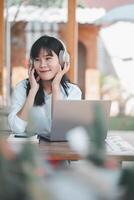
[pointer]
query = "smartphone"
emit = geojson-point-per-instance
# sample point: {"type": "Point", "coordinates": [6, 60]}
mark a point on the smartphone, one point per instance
{"type": "Point", "coordinates": [20, 135]}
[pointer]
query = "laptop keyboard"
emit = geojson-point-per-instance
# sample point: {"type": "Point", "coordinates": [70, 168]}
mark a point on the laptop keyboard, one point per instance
{"type": "Point", "coordinates": [118, 144]}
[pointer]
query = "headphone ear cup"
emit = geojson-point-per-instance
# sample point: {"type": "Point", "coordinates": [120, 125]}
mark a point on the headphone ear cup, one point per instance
{"type": "Point", "coordinates": [63, 57]}
{"type": "Point", "coordinates": [30, 62]}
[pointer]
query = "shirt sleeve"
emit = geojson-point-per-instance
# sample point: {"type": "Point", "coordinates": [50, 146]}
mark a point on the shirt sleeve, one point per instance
{"type": "Point", "coordinates": [16, 124]}
{"type": "Point", "coordinates": [74, 93]}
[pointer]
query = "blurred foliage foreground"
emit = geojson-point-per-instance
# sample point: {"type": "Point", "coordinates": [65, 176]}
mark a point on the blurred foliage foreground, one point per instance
{"type": "Point", "coordinates": [25, 175]}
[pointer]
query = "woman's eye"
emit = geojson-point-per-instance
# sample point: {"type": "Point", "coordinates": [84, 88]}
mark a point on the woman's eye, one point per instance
{"type": "Point", "coordinates": [37, 59]}
{"type": "Point", "coordinates": [48, 58]}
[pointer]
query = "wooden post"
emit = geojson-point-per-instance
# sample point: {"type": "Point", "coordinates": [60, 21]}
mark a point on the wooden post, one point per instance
{"type": "Point", "coordinates": [1, 44]}
{"type": "Point", "coordinates": [72, 39]}
{"type": "Point", "coordinates": [92, 84]}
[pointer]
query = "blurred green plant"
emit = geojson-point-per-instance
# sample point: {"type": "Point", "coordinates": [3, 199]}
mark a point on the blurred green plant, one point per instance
{"type": "Point", "coordinates": [21, 173]}
{"type": "Point", "coordinates": [127, 183]}
{"type": "Point", "coordinates": [97, 133]}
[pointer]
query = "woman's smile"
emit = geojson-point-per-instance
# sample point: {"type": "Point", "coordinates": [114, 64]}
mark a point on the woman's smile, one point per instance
{"type": "Point", "coordinates": [44, 70]}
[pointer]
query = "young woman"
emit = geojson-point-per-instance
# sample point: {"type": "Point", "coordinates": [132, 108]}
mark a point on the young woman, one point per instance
{"type": "Point", "coordinates": [47, 83]}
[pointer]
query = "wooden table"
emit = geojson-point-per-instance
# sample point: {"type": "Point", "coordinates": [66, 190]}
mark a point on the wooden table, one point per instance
{"type": "Point", "coordinates": [62, 151]}
{"type": "Point", "coordinates": [58, 151]}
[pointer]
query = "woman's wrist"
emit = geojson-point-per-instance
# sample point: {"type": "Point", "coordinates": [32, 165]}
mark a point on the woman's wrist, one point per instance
{"type": "Point", "coordinates": [32, 92]}
{"type": "Point", "coordinates": [55, 87]}
{"type": "Point", "coordinates": [56, 93]}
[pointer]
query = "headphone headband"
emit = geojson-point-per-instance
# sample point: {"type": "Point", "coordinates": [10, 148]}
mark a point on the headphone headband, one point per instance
{"type": "Point", "coordinates": [64, 56]}
{"type": "Point", "coordinates": [63, 44]}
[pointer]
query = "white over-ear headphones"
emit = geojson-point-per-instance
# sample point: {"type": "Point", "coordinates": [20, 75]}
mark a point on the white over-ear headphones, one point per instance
{"type": "Point", "coordinates": [64, 56]}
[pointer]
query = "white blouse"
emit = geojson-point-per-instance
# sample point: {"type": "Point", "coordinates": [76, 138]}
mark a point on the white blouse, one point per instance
{"type": "Point", "coordinates": [43, 113]}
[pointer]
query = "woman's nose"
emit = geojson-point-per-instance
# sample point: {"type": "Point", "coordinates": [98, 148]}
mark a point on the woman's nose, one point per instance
{"type": "Point", "coordinates": [43, 63]}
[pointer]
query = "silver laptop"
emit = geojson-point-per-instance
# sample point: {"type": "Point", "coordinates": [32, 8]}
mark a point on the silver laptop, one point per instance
{"type": "Point", "coordinates": [72, 113]}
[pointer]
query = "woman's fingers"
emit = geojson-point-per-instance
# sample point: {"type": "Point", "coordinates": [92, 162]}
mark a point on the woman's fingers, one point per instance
{"type": "Point", "coordinates": [37, 79]}
{"type": "Point", "coordinates": [60, 74]}
{"type": "Point", "coordinates": [33, 75]}
{"type": "Point", "coordinates": [66, 67]}
{"type": "Point", "coordinates": [63, 71]}
{"type": "Point", "coordinates": [32, 72]}
{"type": "Point", "coordinates": [29, 70]}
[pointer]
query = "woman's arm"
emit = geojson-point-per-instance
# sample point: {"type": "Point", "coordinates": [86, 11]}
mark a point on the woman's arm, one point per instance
{"type": "Point", "coordinates": [23, 113]}
{"type": "Point", "coordinates": [16, 124]}
{"type": "Point", "coordinates": [21, 103]}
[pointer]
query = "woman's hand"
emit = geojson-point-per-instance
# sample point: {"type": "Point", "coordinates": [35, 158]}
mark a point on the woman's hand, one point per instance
{"type": "Point", "coordinates": [33, 81]}
{"type": "Point", "coordinates": [56, 84]}
{"type": "Point", "coordinates": [56, 81]}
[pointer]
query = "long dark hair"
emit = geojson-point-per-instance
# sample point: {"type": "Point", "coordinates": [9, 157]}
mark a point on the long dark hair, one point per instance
{"type": "Point", "coordinates": [49, 44]}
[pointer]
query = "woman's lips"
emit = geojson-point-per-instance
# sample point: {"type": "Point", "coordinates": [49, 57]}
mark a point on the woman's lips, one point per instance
{"type": "Point", "coordinates": [45, 71]}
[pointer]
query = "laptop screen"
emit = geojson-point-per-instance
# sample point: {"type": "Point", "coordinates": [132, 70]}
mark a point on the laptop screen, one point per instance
{"type": "Point", "coordinates": [67, 115]}
{"type": "Point", "coordinates": [70, 114]}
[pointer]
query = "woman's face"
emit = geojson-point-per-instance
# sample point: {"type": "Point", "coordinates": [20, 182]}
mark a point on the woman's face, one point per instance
{"type": "Point", "coordinates": [46, 66]}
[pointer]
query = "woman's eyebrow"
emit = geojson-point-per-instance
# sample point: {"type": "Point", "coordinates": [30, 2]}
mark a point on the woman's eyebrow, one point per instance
{"type": "Point", "coordinates": [45, 55]}
{"type": "Point", "coordinates": [48, 55]}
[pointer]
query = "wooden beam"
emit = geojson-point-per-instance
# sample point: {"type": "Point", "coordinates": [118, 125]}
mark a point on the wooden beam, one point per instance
{"type": "Point", "coordinates": [72, 39]}
{"type": "Point", "coordinates": [1, 44]}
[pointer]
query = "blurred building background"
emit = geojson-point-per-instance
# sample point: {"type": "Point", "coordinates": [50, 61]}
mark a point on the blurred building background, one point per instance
{"type": "Point", "coordinates": [105, 45]}
{"type": "Point", "coordinates": [32, 22]}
